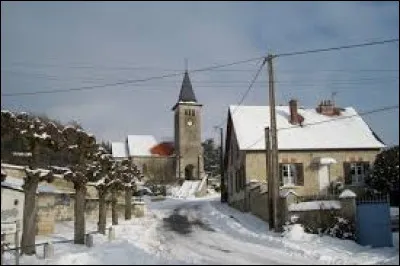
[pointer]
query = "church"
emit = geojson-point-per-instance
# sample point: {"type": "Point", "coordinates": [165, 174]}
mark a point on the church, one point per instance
{"type": "Point", "coordinates": [169, 162]}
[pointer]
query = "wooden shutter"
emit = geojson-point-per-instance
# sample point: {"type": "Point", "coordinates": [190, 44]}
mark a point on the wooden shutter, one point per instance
{"type": "Point", "coordinates": [300, 174]}
{"type": "Point", "coordinates": [280, 174]}
{"type": "Point", "coordinates": [347, 173]}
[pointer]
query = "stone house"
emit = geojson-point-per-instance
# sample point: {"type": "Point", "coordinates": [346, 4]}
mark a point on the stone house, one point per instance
{"type": "Point", "coordinates": [317, 147]}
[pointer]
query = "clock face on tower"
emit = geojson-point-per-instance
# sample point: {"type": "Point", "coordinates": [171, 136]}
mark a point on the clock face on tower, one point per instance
{"type": "Point", "coordinates": [189, 123]}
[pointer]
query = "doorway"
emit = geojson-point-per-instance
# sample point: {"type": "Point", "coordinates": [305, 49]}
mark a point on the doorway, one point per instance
{"type": "Point", "coordinates": [189, 172]}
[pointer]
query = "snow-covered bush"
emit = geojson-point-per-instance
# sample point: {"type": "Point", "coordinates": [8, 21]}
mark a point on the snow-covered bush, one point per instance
{"type": "Point", "coordinates": [342, 228]}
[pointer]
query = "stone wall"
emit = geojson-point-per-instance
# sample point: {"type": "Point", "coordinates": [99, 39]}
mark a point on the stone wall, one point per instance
{"type": "Point", "coordinates": [64, 207]}
{"type": "Point", "coordinates": [45, 216]}
{"type": "Point", "coordinates": [258, 202]}
{"type": "Point", "coordinates": [160, 169]}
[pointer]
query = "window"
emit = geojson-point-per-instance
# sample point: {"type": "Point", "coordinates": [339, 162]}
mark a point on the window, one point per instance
{"type": "Point", "coordinates": [356, 172]}
{"type": "Point", "coordinates": [291, 174]}
{"type": "Point", "coordinates": [288, 174]}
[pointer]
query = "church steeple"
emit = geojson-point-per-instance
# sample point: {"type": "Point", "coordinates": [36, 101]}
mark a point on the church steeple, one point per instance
{"type": "Point", "coordinates": [186, 94]}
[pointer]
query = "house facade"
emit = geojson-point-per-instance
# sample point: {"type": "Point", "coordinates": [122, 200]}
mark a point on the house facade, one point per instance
{"type": "Point", "coordinates": [317, 148]}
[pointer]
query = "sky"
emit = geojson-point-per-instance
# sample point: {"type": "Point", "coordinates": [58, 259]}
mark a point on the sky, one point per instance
{"type": "Point", "coordinates": [63, 45]}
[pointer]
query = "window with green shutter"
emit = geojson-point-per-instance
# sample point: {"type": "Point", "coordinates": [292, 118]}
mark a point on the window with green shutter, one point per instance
{"type": "Point", "coordinates": [291, 174]}
{"type": "Point", "coordinates": [355, 172]}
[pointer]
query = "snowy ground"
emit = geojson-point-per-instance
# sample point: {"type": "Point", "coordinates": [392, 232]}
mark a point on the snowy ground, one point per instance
{"type": "Point", "coordinates": [177, 231]}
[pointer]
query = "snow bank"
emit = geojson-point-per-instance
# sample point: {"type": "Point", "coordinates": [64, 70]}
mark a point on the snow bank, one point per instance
{"type": "Point", "coordinates": [394, 211]}
{"type": "Point", "coordinates": [188, 189]}
{"type": "Point", "coordinates": [296, 232]}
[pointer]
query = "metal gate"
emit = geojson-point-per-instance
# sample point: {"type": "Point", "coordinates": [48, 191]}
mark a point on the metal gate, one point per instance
{"type": "Point", "coordinates": [373, 227]}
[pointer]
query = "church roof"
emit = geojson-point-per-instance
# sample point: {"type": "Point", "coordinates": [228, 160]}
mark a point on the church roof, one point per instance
{"type": "Point", "coordinates": [140, 145]}
{"type": "Point", "coordinates": [186, 94]}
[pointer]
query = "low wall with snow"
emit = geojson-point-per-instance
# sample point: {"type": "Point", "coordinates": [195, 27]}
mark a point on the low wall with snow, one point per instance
{"type": "Point", "coordinates": [258, 202]}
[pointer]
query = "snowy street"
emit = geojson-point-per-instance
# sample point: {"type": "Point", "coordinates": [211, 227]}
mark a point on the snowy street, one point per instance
{"type": "Point", "coordinates": [178, 231]}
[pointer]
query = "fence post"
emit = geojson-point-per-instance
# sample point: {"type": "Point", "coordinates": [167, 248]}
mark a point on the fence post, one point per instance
{"type": "Point", "coordinates": [2, 253]}
{"type": "Point", "coordinates": [17, 226]}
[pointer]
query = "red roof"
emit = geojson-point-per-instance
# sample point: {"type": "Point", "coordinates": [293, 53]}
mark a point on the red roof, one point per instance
{"type": "Point", "coordinates": [163, 148]}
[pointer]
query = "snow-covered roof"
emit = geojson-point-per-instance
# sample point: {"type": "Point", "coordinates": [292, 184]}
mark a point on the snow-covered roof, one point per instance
{"type": "Point", "coordinates": [315, 205]}
{"type": "Point", "coordinates": [139, 145]}
{"type": "Point", "coordinates": [119, 150]}
{"type": "Point", "coordinates": [249, 123]}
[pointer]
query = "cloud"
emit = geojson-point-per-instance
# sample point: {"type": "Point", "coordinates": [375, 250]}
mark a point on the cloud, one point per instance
{"type": "Point", "coordinates": [83, 43]}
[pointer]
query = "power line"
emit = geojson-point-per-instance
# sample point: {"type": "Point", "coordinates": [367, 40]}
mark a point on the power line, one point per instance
{"type": "Point", "coordinates": [248, 89]}
{"type": "Point", "coordinates": [200, 70]}
{"type": "Point", "coordinates": [337, 48]}
{"type": "Point", "coordinates": [386, 108]}
{"type": "Point", "coordinates": [296, 81]}
{"type": "Point", "coordinates": [130, 81]}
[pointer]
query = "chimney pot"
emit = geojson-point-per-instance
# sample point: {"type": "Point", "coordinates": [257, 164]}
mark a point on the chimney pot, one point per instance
{"type": "Point", "coordinates": [294, 117]}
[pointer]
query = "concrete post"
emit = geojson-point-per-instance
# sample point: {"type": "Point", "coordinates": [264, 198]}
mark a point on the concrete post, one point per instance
{"type": "Point", "coordinates": [111, 234]}
{"type": "Point", "coordinates": [89, 240]}
{"type": "Point", "coordinates": [348, 203]}
{"type": "Point", "coordinates": [48, 250]}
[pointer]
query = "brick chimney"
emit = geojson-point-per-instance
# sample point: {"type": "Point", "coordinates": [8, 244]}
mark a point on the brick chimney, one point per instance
{"type": "Point", "coordinates": [295, 118]}
{"type": "Point", "coordinates": [328, 108]}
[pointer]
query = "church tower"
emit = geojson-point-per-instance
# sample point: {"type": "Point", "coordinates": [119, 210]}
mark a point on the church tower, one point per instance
{"type": "Point", "coordinates": [189, 152]}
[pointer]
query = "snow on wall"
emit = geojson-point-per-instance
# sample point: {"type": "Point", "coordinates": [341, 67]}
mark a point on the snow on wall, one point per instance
{"type": "Point", "coordinates": [16, 183]}
{"type": "Point", "coordinates": [352, 132]}
{"type": "Point", "coordinates": [315, 205]}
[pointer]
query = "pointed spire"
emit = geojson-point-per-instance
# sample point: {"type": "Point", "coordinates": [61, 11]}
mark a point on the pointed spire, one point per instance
{"type": "Point", "coordinates": [186, 94]}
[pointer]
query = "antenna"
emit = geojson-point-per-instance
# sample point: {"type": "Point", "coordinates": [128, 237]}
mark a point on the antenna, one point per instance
{"type": "Point", "coordinates": [333, 97]}
{"type": "Point", "coordinates": [186, 64]}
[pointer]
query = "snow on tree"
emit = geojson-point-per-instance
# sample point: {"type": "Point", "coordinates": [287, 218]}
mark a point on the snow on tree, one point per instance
{"type": "Point", "coordinates": [80, 146]}
{"type": "Point", "coordinates": [211, 157]}
{"type": "Point", "coordinates": [384, 176]}
{"type": "Point", "coordinates": [130, 175]}
{"type": "Point", "coordinates": [99, 174]}
{"type": "Point", "coordinates": [34, 133]}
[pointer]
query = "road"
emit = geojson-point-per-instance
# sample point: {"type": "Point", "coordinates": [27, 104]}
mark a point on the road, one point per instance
{"type": "Point", "coordinates": [200, 232]}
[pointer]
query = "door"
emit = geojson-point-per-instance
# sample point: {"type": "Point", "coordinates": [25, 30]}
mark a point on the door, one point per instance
{"type": "Point", "coordinates": [323, 174]}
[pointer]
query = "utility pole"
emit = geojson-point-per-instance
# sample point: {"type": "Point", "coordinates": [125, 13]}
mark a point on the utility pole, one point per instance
{"type": "Point", "coordinates": [274, 145]}
{"type": "Point", "coordinates": [269, 179]}
{"type": "Point", "coordinates": [223, 195]}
